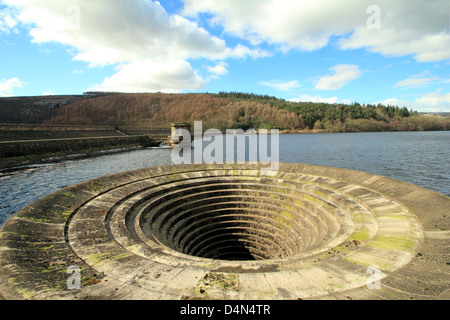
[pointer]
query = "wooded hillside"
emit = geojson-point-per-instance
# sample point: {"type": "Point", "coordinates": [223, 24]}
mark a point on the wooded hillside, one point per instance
{"type": "Point", "coordinates": [238, 110]}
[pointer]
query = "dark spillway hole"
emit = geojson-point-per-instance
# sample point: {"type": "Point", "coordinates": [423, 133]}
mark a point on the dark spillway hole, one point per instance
{"type": "Point", "coordinates": [227, 243]}
{"type": "Point", "coordinates": [233, 222]}
{"type": "Point", "coordinates": [233, 249]}
{"type": "Point", "coordinates": [241, 236]}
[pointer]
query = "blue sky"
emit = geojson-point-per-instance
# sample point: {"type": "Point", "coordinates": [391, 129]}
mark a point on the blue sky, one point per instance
{"type": "Point", "coordinates": [393, 52]}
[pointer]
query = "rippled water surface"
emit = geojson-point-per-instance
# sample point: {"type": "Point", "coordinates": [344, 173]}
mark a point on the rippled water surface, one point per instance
{"type": "Point", "coordinates": [421, 158]}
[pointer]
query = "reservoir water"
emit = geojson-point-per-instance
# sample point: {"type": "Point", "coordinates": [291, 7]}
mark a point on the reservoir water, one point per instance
{"type": "Point", "coordinates": [421, 158]}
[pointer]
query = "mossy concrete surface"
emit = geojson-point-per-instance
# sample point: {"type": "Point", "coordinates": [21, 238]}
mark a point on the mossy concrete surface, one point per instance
{"type": "Point", "coordinates": [166, 232]}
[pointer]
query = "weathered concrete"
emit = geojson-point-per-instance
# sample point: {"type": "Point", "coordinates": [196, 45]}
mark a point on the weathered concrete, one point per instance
{"type": "Point", "coordinates": [17, 154]}
{"type": "Point", "coordinates": [35, 147]}
{"type": "Point", "coordinates": [19, 132]}
{"type": "Point", "coordinates": [51, 127]}
{"type": "Point", "coordinates": [228, 232]}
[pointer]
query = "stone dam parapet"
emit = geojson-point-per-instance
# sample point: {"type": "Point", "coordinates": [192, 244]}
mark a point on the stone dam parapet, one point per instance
{"type": "Point", "coordinates": [10, 149]}
{"type": "Point", "coordinates": [27, 140]}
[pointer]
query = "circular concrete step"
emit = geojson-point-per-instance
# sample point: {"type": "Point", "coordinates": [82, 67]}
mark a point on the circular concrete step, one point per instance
{"type": "Point", "coordinates": [301, 232]}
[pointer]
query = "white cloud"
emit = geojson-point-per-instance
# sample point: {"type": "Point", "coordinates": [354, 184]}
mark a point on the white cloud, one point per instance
{"type": "Point", "coordinates": [433, 102]}
{"type": "Point", "coordinates": [8, 22]}
{"type": "Point", "coordinates": [219, 70]}
{"type": "Point", "coordinates": [317, 99]}
{"type": "Point", "coordinates": [281, 85]}
{"type": "Point", "coordinates": [113, 31]}
{"type": "Point", "coordinates": [429, 102]}
{"type": "Point", "coordinates": [390, 42]}
{"type": "Point", "coordinates": [128, 34]}
{"type": "Point", "coordinates": [173, 76]}
{"type": "Point", "coordinates": [307, 25]}
{"type": "Point", "coordinates": [343, 74]}
{"type": "Point", "coordinates": [395, 102]}
{"type": "Point", "coordinates": [7, 86]}
{"type": "Point", "coordinates": [417, 81]}
{"type": "Point", "coordinates": [408, 27]}
{"type": "Point", "coordinates": [49, 93]}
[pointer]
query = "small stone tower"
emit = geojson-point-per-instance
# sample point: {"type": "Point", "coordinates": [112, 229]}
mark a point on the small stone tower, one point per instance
{"type": "Point", "coordinates": [176, 136]}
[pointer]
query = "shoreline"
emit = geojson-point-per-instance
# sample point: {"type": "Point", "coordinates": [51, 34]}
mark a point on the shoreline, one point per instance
{"type": "Point", "coordinates": [318, 131]}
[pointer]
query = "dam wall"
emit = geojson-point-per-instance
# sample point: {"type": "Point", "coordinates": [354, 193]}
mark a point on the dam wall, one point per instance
{"type": "Point", "coordinates": [17, 132]}
{"type": "Point", "coordinates": [11, 149]}
{"type": "Point", "coordinates": [26, 144]}
{"type": "Point", "coordinates": [50, 127]}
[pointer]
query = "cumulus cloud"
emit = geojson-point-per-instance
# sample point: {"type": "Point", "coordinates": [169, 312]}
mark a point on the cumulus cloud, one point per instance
{"type": "Point", "coordinates": [408, 27]}
{"type": "Point", "coordinates": [433, 102]}
{"type": "Point", "coordinates": [415, 27]}
{"type": "Point", "coordinates": [304, 24]}
{"type": "Point", "coordinates": [114, 31]}
{"type": "Point", "coordinates": [7, 86]}
{"type": "Point", "coordinates": [140, 76]}
{"type": "Point", "coordinates": [343, 74]}
{"type": "Point", "coordinates": [281, 85]}
{"type": "Point", "coordinates": [430, 102]}
{"type": "Point", "coordinates": [219, 70]}
{"type": "Point", "coordinates": [129, 34]}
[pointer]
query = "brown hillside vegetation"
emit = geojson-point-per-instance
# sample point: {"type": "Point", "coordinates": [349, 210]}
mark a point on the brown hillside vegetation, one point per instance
{"type": "Point", "coordinates": [141, 110]}
{"type": "Point", "coordinates": [33, 110]}
{"type": "Point", "coordinates": [236, 110]}
{"type": "Point", "coordinates": [157, 110]}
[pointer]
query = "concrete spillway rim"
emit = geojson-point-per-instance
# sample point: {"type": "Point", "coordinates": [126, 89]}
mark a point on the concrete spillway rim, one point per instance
{"type": "Point", "coordinates": [42, 240]}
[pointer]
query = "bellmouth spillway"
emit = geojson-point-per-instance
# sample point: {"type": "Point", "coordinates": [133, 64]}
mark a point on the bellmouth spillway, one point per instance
{"type": "Point", "coordinates": [230, 232]}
